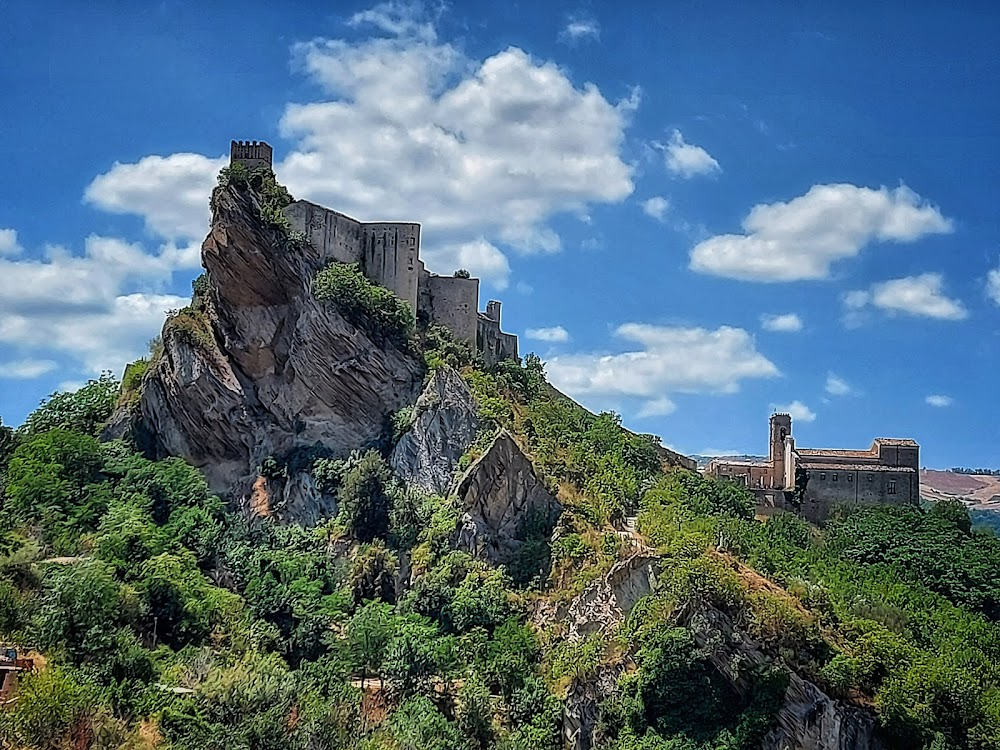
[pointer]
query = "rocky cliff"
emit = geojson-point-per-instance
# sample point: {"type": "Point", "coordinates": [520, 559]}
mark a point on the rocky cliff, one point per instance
{"type": "Point", "coordinates": [258, 367]}
{"type": "Point", "coordinates": [445, 423]}
{"type": "Point", "coordinates": [500, 495]}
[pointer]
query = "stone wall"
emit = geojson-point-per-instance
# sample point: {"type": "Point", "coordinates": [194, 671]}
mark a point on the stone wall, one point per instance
{"type": "Point", "coordinates": [491, 342]}
{"type": "Point", "coordinates": [830, 487]}
{"type": "Point", "coordinates": [333, 235]}
{"type": "Point", "coordinates": [251, 154]}
{"type": "Point", "coordinates": [452, 302]}
{"type": "Point", "coordinates": [391, 256]}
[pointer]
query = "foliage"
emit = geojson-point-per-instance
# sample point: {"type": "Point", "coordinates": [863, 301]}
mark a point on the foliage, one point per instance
{"type": "Point", "coordinates": [364, 498]}
{"type": "Point", "coordinates": [364, 304]}
{"type": "Point", "coordinates": [441, 348]}
{"type": "Point", "coordinates": [85, 410]}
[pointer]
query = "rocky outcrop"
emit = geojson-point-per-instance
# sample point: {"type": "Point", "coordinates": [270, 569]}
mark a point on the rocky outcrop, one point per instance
{"type": "Point", "coordinates": [810, 719]}
{"type": "Point", "coordinates": [498, 496]}
{"type": "Point", "coordinates": [296, 498]}
{"type": "Point", "coordinates": [445, 423]}
{"type": "Point", "coordinates": [261, 367]}
{"type": "Point", "coordinates": [606, 602]}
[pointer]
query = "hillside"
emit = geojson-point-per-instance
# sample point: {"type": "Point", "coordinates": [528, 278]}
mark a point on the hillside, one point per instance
{"type": "Point", "coordinates": [978, 491]}
{"type": "Point", "coordinates": [309, 521]}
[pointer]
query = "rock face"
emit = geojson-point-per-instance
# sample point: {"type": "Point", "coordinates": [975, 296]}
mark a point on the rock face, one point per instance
{"type": "Point", "coordinates": [498, 494]}
{"type": "Point", "coordinates": [263, 368]}
{"type": "Point", "coordinates": [810, 719]}
{"type": "Point", "coordinates": [446, 422]}
{"type": "Point", "coordinates": [606, 603]}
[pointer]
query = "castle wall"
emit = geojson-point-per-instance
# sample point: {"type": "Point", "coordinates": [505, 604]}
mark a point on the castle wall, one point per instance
{"type": "Point", "coordinates": [251, 154]}
{"type": "Point", "coordinates": [451, 302]}
{"type": "Point", "coordinates": [335, 237]}
{"type": "Point", "coordinates": [827, 488]}
{"type": "Point", "coordinates": [391, 257]}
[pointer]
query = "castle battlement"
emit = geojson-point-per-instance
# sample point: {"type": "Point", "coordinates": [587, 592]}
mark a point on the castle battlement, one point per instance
{"type": "Point", "coordinates": [251, 154]}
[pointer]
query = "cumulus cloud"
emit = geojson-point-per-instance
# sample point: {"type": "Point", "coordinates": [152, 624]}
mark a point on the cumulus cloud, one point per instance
{"type": "Point", "coordinates": [411, 128]}
{"type": "Point", "coordinates": [836, 385]}
{"type": "Point", "coordinates": [938, 400]}
{"type": "Point", "coordinates": [797, 410]}
{"type": "Point", "coordinates": [99, 309]}
{"type": "Point", "coordinates": [657, 407]}
{"type": "Point", "coordinates": [580, 28]}
{"type": "Point", "coordinates": [478, 255]}
{"type": "Point", "coordinates": [687, 160]}
{"type": "Point", "coordinates": [801, 239]}
{"type": "Point", "coordinates": [26, 369]}
{"type": "Point", "coordinates": [8, 242]}
{"type": "Point", "coordinates": [554, 335]}
{"type": "Point", "coordinates": [656, 207]}
{"type": "Point", "coordinates": [993, 285]}
{"type": "Point", "coordinates": [787, 323]}
{"type": "Point", "coordinates": [170, 193]}
{"type": "Point", "coordinates": [667, 360]}
{"type": "Point", "coordinates": [921, 296]}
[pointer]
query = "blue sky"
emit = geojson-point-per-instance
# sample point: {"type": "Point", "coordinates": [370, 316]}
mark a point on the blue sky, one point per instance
{"type": "Point", "coordinates": [695, 212]}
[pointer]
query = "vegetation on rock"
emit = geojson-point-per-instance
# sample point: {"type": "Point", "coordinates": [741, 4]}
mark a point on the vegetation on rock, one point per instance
{"type": "Point", "coordinates": [364, 304]}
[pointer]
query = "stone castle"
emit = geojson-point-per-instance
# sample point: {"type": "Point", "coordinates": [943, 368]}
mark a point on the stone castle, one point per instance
{"type": "Point", "coordinates": [813, 481]}
{"type": "Point", "coordinates": [389, 255]}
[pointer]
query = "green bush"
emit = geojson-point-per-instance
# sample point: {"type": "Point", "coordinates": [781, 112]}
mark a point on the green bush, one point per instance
{"type": "Point", "coordinates": [364, 304]}
{"type": "Point", "coordinates": [85, 410]}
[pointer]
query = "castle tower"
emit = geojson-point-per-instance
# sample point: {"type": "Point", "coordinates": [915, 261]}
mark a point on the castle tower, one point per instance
{"type": "Point", "coordinates": [781, 428]}
{"type": "Point", "coordinates": [251, 154]}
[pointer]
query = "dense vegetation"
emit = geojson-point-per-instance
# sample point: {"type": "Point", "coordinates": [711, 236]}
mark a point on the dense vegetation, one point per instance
{"type": "Point", "coordinates": [364, 304]}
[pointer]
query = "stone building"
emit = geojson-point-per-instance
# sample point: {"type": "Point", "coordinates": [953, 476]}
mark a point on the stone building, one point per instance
{"type": "Point", "coordinates": [813, 481]}
{"type": "Point", "coordinates": [389, 255]}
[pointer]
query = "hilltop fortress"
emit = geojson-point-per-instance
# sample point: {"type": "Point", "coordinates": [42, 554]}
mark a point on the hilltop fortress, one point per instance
{"type": "Point", "coordinates": [389, 255]}
{"type": "Point", "coordinates": [812, 481]}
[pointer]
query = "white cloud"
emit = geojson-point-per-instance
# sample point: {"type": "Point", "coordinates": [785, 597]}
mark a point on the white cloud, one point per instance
{"type": "Point", "coordinates": [668, 360]}
{"type": "Point", "coordinates": [836, 385]}
{"type": "Point", "coordinates": [787, 323]}
{"type": "Point", "coordinates": [656, 207]}
{"type": "Point", "coordinates": [99, 309]}
{"type": "Point", "coordinates": [921, 296]}
{"type": "Point", "coordinates": [555, 334]}
{"type": "Point", "coordinates": [993, 285]}
{"type": "Point", "coordinates": [657, 407]}
{"type": "Point", "coordinates": [170, 193]}
{"type": "Point", "coordinates": [8, 242]}
{"type": "Point", "coordinates": [798, 411]}
{"type": "Point", "coordinates": [481, 258]}
{"type": "Point", "coordinates": [687, 160]}
{"type": "Point", "coordinates": [413, 129]}
{"type": "Point", "coordinates": [26, 369]}
{"type": "Point", "coordinates": [580, 28]}
{"type": "Point", "coordinates": [801, 239]}
{"type": "Point", "coordinates": [938, 400]}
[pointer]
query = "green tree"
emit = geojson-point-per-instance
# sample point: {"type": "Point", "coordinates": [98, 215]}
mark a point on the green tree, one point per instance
{"type": "Point", "coordinates": [85, 410]}
{"type": "Point", "coordinates": [364, 498]}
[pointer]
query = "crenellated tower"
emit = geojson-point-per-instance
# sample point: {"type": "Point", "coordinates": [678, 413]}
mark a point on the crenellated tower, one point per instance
{"type": "Point", "coordinates": [251, 154]}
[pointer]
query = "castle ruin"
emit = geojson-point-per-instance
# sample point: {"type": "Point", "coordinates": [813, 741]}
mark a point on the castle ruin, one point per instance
{"type": "Point", "coordinates": [389, 255]}
{"type": "Point", "coordinates": [813, 481]}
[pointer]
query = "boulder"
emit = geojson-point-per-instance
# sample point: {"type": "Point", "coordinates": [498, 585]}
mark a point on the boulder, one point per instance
{"type": "Point", "coordinates": [445, 424]}
{"type": "Point", "coordinates": [497, 495]}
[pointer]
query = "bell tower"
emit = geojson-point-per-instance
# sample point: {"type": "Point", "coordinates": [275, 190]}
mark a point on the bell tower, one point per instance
{"type": "Point", "coordinates": [781, 428]}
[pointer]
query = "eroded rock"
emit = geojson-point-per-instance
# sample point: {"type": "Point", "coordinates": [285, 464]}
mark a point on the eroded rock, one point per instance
{"type": "Point", "coordinates": [262, 367]}
{"type": "Point", "coordinates": [445, 423]}
{"type": "Point", "coordinates": [499, 494]}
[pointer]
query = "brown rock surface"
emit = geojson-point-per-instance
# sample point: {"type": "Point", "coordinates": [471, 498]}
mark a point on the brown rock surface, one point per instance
{"type": "Point", "coordinates": [270, 368]}
{"type": "Point", "coordinates": [497, 494]}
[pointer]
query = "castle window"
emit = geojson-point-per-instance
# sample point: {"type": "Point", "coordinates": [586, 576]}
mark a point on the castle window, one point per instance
{"type": "Point", "coordinates": [850, 477]}
{"type": "Point", "coordinates": [822, 475]}
{"type": "Point", "coordinates": [834, 477]}
{"type": "Point", "coordinates": [891, 489]}
{"type": "Point", "coordinates": [871, 477]}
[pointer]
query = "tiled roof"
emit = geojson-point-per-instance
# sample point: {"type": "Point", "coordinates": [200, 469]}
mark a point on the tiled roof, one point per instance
{"type": "Point", "coordinates": [855, 467]}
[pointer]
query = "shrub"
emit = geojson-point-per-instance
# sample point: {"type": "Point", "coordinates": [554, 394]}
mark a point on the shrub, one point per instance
{"type": "Point", "coordinates": [364, 498]}
{"type": "Point", "coordinates": [368, 306]}
{"type": "Point", "coordinates": [85, 410]}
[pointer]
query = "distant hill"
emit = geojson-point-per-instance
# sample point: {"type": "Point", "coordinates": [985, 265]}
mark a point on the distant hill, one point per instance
{"type": "Point", "coordinates": [703, 461]}
{"type": "Point", "coordinates": [978, 491]}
